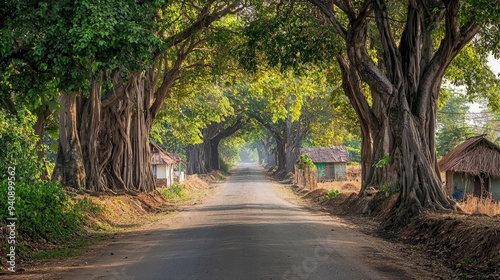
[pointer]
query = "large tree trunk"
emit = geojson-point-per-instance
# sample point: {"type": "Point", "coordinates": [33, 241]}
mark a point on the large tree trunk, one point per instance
{"type": "Point", "coordinates": [214, 154]}
{"type": "Point", "coordinates": [69, 169]}
{"type": "Point", "coordinates": [196, 160]}
{"type": "Point", "coordinates": [414, 158]}
{"type": "Point", "coordinates": [404, 87]}
{"type": "Point", "coordinates": [115, 139]}
{"type": "Point", "coordinates": [205, 157]}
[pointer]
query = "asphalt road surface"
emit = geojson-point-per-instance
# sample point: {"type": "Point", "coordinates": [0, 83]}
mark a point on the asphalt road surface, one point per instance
{"type": "Point", "coordinates": [248, 230]}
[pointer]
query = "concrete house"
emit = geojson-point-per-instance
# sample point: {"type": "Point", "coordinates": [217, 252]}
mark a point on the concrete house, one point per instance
{"type": "Point", "coordinates": [331, 162]}
{"type": "Point", "coordinates": [473, 167]}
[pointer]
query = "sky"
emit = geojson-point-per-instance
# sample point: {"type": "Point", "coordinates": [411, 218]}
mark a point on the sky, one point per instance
{"type": "Point", "coordinates": [495, 67]}
{"type": "Point", "coordinates": [494, 64]}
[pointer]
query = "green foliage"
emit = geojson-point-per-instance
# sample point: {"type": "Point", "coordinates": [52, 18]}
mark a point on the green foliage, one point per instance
{"type": "Point", "coordinates": [304, 160]}
{"type": "Point", "coordinates": [44, 211]}
{"type": "Point", "coordinates": [225, 167]}
{"type": "Point", "coordinates": [186, 116]}
{"type": "Point", "coordinates": [354, 149]}
{"type": "Point", "coordinates": [174, 192]}
{"type": "Point", "coordinates": [275, 38]}
{"type": "Point", "coordinates": [230, 149]}
{"type": "Point", "coordinates": [18, 147]}
{"type": "Point", "coordinates": [42, 208]}
{"type": "Point", "coordinates": [383, 162]}
{"type": "Point", "coordinates": [332, 193]}
{"type": "Point", "coordinates": [470, 70]}
{"type": "Point", "coordinates": [453, 124]}
{"type": "Point", "coordinates": [390, 189]}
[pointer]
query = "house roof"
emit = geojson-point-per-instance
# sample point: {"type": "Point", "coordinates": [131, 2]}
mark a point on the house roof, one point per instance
{"type": "Point", "coordinates": [327, 154]}
{"type": "Point", "coordinates": [159, 156]}
{"type": "Point", "coordinates": [474, 156]}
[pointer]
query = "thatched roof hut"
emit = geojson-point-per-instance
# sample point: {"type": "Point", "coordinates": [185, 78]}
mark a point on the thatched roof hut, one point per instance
{"type": "Point", "coordinates": [331, 162]}
{"type": "Point", "coordinates": [333, 154]}
{"type": "Point", "coordinates": [473, 167]}
{"type": "Point", "coordinates": [476, 156]}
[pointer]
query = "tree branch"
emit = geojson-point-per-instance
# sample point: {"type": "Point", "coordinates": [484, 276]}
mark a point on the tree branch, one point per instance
{"type": "Point", "coordinates": [454, 40]}
{"type": "Point", "coordinates": [391, 54]}
{"type": "Point", "coordinates": [332, 17]}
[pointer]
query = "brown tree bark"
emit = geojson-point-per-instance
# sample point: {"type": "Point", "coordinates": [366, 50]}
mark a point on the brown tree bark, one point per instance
{"type": "Point", "coordinates": [205, 157]}
{"type": "Point", "coordinates": [405, 88]}
{"type": "Point", "coordinates": [114, 122]}
{"type": "Point", "coordinates": [69, 169]}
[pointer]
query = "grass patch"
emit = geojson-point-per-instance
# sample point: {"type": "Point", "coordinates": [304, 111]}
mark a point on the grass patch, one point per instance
{"type": "Point", "coordinates": [175, 193]}
{"type": "Point", "coordinates": [332, 193]}
{"type": "Point", "coordinates": [75, 248]}
{"type": "Point", "coordinates": [475, 205]}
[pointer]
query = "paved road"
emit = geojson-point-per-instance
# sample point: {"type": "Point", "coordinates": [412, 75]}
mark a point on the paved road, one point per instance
{"type": "Point", "coordinates": [249, 230]}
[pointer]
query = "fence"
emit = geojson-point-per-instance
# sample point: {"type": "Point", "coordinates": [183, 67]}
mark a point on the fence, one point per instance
{"type": "Point", "coordinates": [306, 176]}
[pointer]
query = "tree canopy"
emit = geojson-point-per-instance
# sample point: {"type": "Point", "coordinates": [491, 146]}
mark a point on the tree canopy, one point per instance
{"type": "Point", "coordinates": [116, 73]}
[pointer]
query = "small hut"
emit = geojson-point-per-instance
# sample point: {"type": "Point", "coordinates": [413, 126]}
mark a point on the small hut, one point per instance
{"type": "Point", "coordinates": [331, 162]}
{"type": "Point", "coordinates": [164, 166]}
{"type": "Point", "coordinates": [473, 167]}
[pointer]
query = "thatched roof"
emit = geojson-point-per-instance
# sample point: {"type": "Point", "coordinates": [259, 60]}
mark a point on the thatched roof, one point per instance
{"type": "Point", "coordinates": [333, 154]}
{"type": "Point", "coordinates": [159, 156]}
{"type": "Point", "coordinates": [474, 156]}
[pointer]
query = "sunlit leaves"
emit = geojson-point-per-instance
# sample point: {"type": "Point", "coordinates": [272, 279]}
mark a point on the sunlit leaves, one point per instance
{"type": "Point", "coordinates": [111, 34]}
{"type": "Point", "coordinates": [470, 69]}
{"type": "Point", "coordinates": [297, 35]}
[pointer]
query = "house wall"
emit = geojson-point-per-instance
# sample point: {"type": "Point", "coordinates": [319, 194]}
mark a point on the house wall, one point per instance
{"type": "Point", "coordinates": [449, 183]}
{"type": "Point", "coordinates": [465, 184]}
{"type": "Point", "coordinates": [170, 175]}
{"type": "Point", "coordinates": [321, 168]}
{"type": "Point", "coordinates": [495, 188]}
{"type": "Point", "coordinates": [340, 171]}
{"type": "Point", "coordinates": [164, 174]}
{"type": "Point", "coordinates": [161, 171]}
{"type": "Point", "coordinates": [462, 183]}
{"type": "Point", "coordinates": [331, 171]}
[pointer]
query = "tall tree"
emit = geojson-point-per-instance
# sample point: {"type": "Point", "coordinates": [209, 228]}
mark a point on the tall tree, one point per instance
{"type": "Point", "coordinates": [288, 105]}
{"type": "Point", "coordinates": [120, 61]}
{"type": "Point", "coordinates": [403, 79]}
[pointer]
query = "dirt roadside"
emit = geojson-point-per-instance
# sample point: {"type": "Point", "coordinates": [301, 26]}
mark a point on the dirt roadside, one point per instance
{"type": "Point", "coordinates": [120, 217]}
{"type": "Point", "coordinates": [447, 245]}
{"type": "Point", "coordinates": [433, 246]}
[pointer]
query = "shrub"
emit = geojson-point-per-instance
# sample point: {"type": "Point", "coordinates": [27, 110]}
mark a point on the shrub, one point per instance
{"type": "Point", "coordinates": [173, 192]}
{"type": "Point", "coordinates": [332, 193]}
{"type": "Point", "coordinates": [43, 210]}
{"type": "Point", "coordinates": [18, 147]}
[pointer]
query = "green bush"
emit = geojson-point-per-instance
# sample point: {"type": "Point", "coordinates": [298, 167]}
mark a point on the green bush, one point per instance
{"type": "Point", "coordinates": [304, 160]}
{"type": "Point", "coordinates": [225, 167]}
{"type": "Point", "coordinates": [18, 147]}
{"type": "Point", "coordinates": [332, 193]}
{"type": "Point", "coordinates": [43, 211]}
{"type": "Point", "coordinates": [173, 192]}
{"type": "Point", "coordinates": [42, 208]}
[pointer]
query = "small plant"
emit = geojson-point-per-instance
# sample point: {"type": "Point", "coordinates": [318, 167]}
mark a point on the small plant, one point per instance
{"type": "Point", "coordinates": [332, 193]}
{"type": "Point", "coordinates": [173, 192]}
{"type": "Point", "coordinates": [303, 161]}
{"type": "Point", "coordinates": [390, 189]}
{"type": "Point", "coordinates": [383, 162]}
